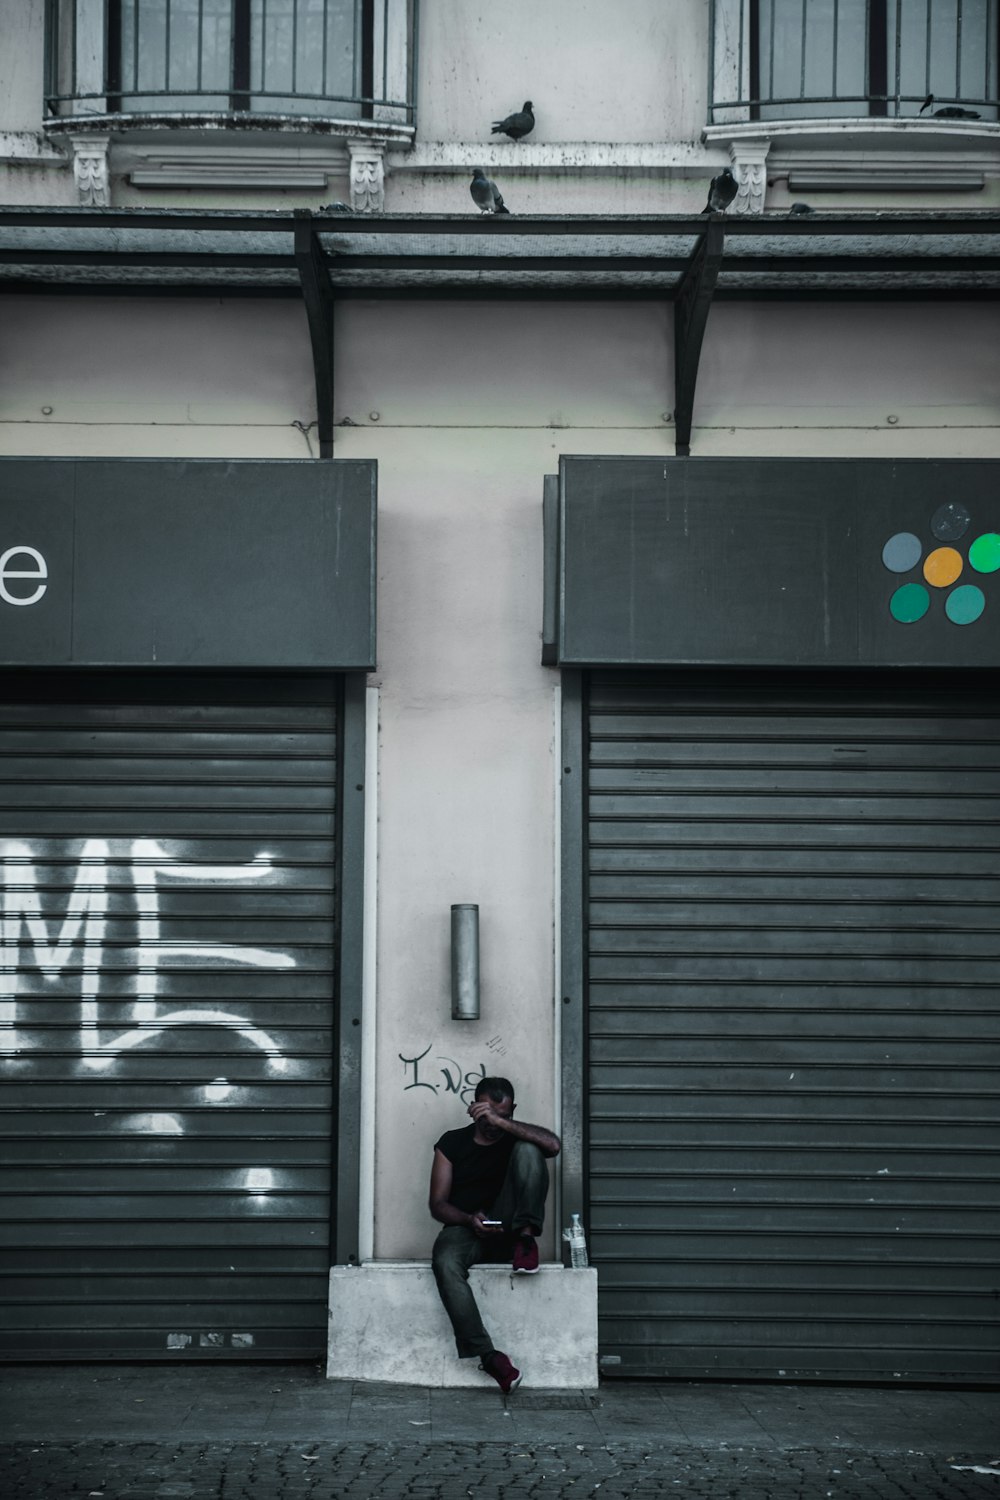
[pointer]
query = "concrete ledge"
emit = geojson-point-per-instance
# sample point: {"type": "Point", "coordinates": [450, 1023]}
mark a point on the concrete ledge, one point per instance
{"type": "Point", "coordinates": [681, 158]}
{"type": "Point", "coordinates": [387, 1323]}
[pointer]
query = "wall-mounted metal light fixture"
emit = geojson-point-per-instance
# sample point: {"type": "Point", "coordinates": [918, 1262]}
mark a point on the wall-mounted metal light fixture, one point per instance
{"type": "Point", "coordinates": [465, 963]}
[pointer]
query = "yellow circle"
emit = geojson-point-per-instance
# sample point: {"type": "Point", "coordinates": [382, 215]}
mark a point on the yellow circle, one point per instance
{"type": "Point", "coordinates": [942, 567]}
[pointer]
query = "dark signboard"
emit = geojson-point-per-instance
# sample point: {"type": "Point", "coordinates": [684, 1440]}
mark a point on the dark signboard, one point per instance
{"type": "Point", "coordinates": [187, 563]}
{"type": "Point", "coordinates": [776, 562]}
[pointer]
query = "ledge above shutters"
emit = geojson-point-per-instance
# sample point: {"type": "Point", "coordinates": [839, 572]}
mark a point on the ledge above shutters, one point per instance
{"type": "Point", "coordinates": [191, 563]}
{"type": "Point", "coordinates": [773, 562]}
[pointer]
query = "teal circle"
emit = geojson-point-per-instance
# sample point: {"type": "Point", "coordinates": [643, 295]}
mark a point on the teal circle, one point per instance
{"type": "Point", "coordinates": [909, 603]}
{"type": "Point", "coordinates": [902, 552]}
{"type": "Point", "coordinates": [984, 554]}
{"type": "Point", "coordinates": [965, 604]}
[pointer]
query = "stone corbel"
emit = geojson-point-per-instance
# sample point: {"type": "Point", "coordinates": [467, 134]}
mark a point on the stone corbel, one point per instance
{"type": "Point", "coordinates": [90, 169]}
{"type": "Point", "coordinates": [367, 176]}
{"type": "Point", "coordinates": [749, 158]}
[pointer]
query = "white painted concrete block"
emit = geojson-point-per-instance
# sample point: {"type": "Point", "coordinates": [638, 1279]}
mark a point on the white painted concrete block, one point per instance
{"type": "Point", "coordinates": [387, 1323]}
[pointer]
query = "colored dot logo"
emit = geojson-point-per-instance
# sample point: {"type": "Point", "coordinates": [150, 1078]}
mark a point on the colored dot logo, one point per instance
{"type": "Point", "coordinates": [909, 603]}
{"type": "Point", "coordinates": [984, 554]}
{"type": "Point", "coordinates": [941, 568]}
{"type": "Point", "coordinates": [965, 604]}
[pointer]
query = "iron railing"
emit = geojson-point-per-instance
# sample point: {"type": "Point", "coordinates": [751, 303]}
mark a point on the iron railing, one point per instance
{"type": "Point", "coordinates": [823, 59]}
{"type": "Point", "coordinates": [324, 59]}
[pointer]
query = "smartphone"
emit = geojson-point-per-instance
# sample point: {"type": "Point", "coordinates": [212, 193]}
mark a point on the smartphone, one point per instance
{"type": "Point", "coordinates": [493, 1223]}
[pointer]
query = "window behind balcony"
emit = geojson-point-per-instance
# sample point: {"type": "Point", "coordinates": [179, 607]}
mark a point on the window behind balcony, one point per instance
{"type": "Point", "coordinates": [821, 59]}
{"type": "Point", "coordinates": [272, 56]}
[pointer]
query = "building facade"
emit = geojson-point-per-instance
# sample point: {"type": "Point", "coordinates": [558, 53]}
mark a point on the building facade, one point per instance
{"type": "Point", "coordinates": [594, 565]}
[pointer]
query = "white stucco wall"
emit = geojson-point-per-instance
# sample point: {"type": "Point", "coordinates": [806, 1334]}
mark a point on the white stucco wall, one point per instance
{"type": "Point", "coordinates": [634, 71]}
{"type": "Point", "coordinates": [821, 366]}
{"type": "Point", "coordinates": [32, 171]}
{"type": "Point", "coordinates": [22, 50]}
{"type": "Point", "coordinates": [475, 403]}
{"type": "Point", "coordinates": [145, 375]}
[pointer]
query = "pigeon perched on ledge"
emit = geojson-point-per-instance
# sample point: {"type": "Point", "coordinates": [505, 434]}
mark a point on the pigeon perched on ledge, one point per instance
{"type": "Point", "coordinates": [486, 194]}
{"type": "Point", "coordinates": [950, 111]}
{"type": "Point", "coordinates": [721, 192]}
{"type": "Point", "coordinates": [519, 124]}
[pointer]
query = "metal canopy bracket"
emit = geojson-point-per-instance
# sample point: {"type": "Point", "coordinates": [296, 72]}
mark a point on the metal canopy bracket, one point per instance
{"type": "Point", "coordinates": [317, 294]}
{"type": "Point", "coordinates": [691, 308]}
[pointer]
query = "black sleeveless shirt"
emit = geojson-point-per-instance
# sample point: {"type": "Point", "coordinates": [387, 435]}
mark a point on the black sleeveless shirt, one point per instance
{"type": "Point", "coordinates": [477, 1171]}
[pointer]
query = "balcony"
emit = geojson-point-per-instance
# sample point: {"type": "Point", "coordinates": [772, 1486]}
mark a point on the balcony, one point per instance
{"type": "Point", "coordinates": [837, 59]}
{"type": "Point", "coordinates": [324, 60]}
{"type": "Point", "coordinates": [834, 96]}
{"type": "Point", "coordinates": [230, 93]}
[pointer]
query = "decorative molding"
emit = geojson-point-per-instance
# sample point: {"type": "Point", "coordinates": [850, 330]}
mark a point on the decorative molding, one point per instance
{"type": "Point", "coordinates": [678, 158]}
{"type": "Point", "coordinates": [857, 155]}
{"type": "Point", "coordinates": [247, 164]}
{"type": "Point", "coordinates": [749, 158]}
{"type": "Point", "coordinates": [367, 176]}
{"type": "Point", "coordinates": [909, 177]}
{"type": "Point", "coordinates": [90, 169]}
{"type": "Point", "coordinates": [862, 133]}
{"type": "Point", "coordinates": [229, 151]}
{"type": "Point", "coordinates": [235, 125]}
{"type": "Point", "coordinates": [908, 146]}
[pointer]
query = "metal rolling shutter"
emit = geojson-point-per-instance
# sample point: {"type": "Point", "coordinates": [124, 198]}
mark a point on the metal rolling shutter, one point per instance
{"type": "Point", "coordinates": [168, 853]}
{"type": "Point", "coordinates": [793, 1024]}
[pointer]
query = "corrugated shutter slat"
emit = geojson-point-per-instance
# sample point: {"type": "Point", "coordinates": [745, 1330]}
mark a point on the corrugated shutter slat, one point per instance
{"type": "Point", "coordinates": [793, 1017]}
{"type": "Point", "coordinates": [168, 854]}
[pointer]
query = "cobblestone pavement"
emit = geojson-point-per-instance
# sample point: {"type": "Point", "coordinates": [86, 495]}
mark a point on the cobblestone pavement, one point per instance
{"type": "Point", "coordinates": [283, 1432]}
{"type": "Point", "coordinates": [104, 1470]}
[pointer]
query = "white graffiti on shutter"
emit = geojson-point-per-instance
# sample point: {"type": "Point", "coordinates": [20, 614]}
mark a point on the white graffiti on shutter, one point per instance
{"type": "Point", "coordinates": [84, 925]}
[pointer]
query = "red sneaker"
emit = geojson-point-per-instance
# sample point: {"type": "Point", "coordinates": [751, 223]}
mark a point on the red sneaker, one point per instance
{"type": "Point", "coordinates": [499, 1366]}
{"type": "Point", "coordinates": [525, 1255]}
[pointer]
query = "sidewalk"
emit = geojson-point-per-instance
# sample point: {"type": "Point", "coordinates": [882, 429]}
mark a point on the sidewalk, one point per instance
{"type": "Point", "coordinates": [225, 1432]}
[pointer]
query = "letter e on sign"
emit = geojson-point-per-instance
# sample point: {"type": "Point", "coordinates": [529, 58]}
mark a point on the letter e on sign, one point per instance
{"type": "Point", "coordinates": [39, 571]}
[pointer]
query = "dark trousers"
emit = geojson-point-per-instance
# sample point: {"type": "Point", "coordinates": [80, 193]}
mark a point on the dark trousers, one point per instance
{"type": "Point", "coordinates": [520, 1205]}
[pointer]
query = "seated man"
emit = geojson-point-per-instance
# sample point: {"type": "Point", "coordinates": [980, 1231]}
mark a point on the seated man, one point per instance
{"type": "Point", "coordinates": [488, 1187]}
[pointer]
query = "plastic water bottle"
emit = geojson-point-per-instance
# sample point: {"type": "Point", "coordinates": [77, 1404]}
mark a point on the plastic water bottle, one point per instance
{"type": "Point", "coordinates": [577, 1242]}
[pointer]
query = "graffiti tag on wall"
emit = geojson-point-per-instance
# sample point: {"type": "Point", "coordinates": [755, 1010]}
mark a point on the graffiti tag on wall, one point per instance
{"type": "Point", "coordinates": [442, 1075]}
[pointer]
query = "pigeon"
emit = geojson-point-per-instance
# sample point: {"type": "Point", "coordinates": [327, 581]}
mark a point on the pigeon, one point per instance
{"type": "Point", "coordinates": [486, 194]}
{"type": "Point", "coordinates": [950, 111]}
{"type": "Point", "coordinates": [336, 208]}
{"type": "Point", "coordinates": [519, 124]}
{"type": "Point", "coordinates": [721, 192]}
{"type": "Point", "coordinates": [798, 209]}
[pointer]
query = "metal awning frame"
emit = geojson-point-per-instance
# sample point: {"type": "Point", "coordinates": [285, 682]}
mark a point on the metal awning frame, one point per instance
{"type": "Point", "coordinates": [691, 309]}
{"type": "Point", "coordinates": [317, 294]}
{"type": "Point", "coordinates": [322, 258]}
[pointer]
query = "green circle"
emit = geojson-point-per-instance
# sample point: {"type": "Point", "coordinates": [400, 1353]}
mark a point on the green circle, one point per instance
{"type": "Point", "coordinates": [984, 554]}
{"type": "Point", "coordinates": [965, 604]}
{"type": "Point", "coordinates": [909, 603]}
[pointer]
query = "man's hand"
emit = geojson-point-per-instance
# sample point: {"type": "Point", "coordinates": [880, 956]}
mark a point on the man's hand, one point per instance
{"type": "Point", "coordinates": [478, 1224]}
{"type": "Point", "coordinates": [483, 1110]}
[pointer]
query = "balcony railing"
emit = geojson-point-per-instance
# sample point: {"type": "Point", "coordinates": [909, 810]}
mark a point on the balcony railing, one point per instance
{"type": "Point", "coordinates": [830, 59]}
{"type": "Point", "coordinates": [331, 60]}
